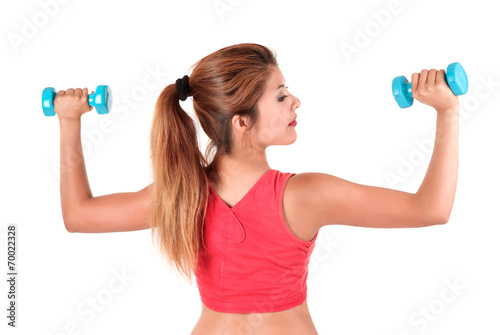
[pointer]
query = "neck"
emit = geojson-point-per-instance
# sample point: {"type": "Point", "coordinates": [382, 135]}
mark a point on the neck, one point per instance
{"type": "Point", "coordinates": [243, 163]}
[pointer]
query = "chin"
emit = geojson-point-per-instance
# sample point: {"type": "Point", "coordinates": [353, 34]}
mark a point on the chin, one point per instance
{"type": "Point", "coordinates": [291, 140]}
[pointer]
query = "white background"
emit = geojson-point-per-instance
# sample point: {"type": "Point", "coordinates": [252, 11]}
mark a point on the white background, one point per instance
{"type": "Point", "coordinates": [361, 280]}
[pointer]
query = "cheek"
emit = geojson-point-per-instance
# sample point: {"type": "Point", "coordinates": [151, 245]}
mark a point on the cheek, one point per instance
{"type": "Point", "coordinates": [271, 128]}
{"type": "Point", "coordinates": [276, 123]}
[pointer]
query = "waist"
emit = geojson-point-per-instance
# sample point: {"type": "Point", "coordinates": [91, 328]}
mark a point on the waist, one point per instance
{"type": "Point", "coordinates": [296, 320]}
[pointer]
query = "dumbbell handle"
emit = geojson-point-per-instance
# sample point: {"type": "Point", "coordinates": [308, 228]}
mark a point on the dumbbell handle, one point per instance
{"type": "Point", "coordinates": [46, 103]}
{"type": "Point", "coordinates": [93, 99]}
{"type": "Point", "coordinates": [407, 87]}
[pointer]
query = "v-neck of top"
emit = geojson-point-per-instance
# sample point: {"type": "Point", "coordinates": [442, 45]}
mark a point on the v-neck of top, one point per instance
{"type": "Point", "coordinates": [246, 194]}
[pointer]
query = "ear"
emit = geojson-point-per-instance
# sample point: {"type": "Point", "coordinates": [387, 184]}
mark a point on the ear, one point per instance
{"type": "Point", "coordinates": [239, 122]}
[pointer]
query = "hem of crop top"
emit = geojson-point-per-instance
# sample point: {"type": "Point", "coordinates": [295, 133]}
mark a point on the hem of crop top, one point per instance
{"type": "Point", "coordinates": [254, 307]}
{"type": "Point", "coordinates": [282, 219]}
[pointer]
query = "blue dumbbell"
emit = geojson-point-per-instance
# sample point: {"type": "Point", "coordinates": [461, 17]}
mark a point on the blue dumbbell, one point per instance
{"type": "Point", "coordinates": [102, 100]}
{"type": "Point", "coordinates": [456, 78]}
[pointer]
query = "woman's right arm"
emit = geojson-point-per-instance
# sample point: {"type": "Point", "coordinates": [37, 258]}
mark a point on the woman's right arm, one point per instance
{"type": "Point", "coordinates": [81, 211]}
{"type": "Point", "coordinates": [320, 199]}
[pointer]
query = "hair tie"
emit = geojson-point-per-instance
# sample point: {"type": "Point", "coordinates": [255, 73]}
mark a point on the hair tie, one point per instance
{"type": "Point", "coordinates": [182, 85]}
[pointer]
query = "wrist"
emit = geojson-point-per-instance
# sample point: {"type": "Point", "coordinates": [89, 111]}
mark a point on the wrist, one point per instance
{"type": "Point", "coordinates": [69, 120]}
{"type": "Point", "coordinates": [452, 110]}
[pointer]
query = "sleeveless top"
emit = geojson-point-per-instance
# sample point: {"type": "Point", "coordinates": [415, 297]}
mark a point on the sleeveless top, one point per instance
{"type": "Point", "coordinates": [253, 263]}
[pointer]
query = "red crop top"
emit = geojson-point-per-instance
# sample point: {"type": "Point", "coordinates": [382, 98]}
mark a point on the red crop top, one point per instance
{"type": "Point", "coordinates": [253, 263]}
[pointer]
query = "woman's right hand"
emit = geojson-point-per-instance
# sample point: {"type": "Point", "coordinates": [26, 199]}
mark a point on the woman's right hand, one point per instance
{"type": "Point", "coordinates": [430, 88]}
{"type": "Point", "coordinates": [72, 103]}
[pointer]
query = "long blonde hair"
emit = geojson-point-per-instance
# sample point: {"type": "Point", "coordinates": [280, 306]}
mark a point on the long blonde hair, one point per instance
{"type": "Point", "coordinates": [223, 84]}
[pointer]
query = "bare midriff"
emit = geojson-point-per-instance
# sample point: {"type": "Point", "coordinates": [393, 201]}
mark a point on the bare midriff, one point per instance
{"type": "Point", "coordinates": [293, 321]}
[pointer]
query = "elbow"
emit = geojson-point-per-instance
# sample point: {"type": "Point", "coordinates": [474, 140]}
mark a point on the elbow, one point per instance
{"type": "Point", "coordinates": [69, 227]}
{"type": "Point", "coordinates": [72, 217]}
{"type": "Point", "coordinates": [69, 224]}
{"type": "Point", "coordinates": [443, 217]}
{"type": "Point", "coordinates": [434, 220]}
{"type": "Point", "coordinates": [437, 212]}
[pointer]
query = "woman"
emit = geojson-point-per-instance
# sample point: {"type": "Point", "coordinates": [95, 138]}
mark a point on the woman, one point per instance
{"type": "Point", "coordinates": [244, 229]}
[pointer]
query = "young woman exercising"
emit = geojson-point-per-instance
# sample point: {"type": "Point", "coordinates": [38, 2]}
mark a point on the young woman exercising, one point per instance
{"type": "Point", "coordinates": [245, 230]}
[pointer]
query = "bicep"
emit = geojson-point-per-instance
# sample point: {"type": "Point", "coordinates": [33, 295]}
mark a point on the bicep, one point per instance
{"type": "Point", "coordinates": [117, 212]}
{"type": "Point", "coordinates": [336, 201]}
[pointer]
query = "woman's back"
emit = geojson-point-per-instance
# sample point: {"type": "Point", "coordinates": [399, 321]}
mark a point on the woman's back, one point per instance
{"type": "Point", "coordinates": [235, 188]}
{"type": "Point", "coordinates": [294, 321]}
{"type": "Point", "coordinates": [239, 190]}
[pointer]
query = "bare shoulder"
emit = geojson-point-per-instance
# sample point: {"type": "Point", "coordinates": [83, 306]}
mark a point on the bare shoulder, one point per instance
{"type": "Point", "coordinates": [299, 208]}
{"type": "Point", "coordinates": [314, 199]}
{"type": "Point", "coordinates": [302, 201]}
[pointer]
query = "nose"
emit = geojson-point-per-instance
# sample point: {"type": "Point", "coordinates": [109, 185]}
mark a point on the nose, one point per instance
{"type": "Point", "coordinates": [297, 102]}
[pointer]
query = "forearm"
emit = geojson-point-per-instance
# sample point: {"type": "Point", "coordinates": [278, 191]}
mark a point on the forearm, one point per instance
{"type": "Point", "coordinates": [74, 184]}
{"type": "Point", "coordinates": [437, 191]}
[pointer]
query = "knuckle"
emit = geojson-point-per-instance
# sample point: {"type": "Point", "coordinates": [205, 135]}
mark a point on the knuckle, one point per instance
{"type": "Point", "coordinates": [441, 86]}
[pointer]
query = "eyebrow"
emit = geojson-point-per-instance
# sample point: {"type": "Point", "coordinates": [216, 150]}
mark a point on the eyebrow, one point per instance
{"type": "Point", "coordinates": [282, 85]}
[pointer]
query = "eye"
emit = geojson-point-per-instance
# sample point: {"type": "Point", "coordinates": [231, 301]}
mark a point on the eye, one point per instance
{"type": "Point", "coordinates": [283, 97]}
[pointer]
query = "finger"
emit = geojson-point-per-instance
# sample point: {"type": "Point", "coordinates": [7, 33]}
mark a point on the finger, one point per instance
{"type": "Point", "coordinates": [60, 93]}
{"type": "Point", "coordinates": [414, 81]}
{"type": "Point", "coordinates": [85, 95]}
{"type": "Point", "coordinates": [70, 91]}
{"type": "Point", "coordinates": [422, 82]}
{"type": "Point", "coordinates": [440, 77]}
{"type": "Point", "coordinates": [78, 92]}
{"type": "Point", "coordinates": [431, 78]}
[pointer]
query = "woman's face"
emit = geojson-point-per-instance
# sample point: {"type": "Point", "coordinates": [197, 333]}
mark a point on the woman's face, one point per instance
{"type": "Point", "coordinates": [276, 109]}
